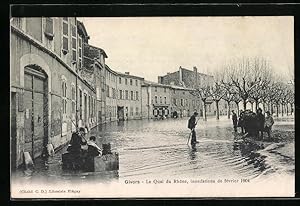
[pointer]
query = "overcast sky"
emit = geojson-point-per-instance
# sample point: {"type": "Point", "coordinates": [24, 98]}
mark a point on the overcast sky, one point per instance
{"type": "Point", "coordinates": [153, 46]}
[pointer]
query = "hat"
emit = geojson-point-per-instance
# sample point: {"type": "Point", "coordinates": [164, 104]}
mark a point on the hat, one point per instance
{"type": "Point", "coordinates": [195, 113]}
{"type": "Point", "coordinates": [81, 129]}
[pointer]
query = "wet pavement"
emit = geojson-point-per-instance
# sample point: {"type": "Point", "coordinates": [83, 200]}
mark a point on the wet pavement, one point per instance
{"type": "Point", "coordinates": [158, 148]}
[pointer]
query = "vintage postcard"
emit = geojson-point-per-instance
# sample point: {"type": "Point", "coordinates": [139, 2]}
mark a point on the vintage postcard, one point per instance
{"type": "Point", "coordinates": [139, 107]}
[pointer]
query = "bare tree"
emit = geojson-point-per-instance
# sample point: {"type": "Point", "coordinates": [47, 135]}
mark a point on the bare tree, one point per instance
{"type": "Point", "coordinates": [203, 92]}
{"type": "Point", "coordinates": [228, 97]}
{"type": "Point", "coordinates": [237, 99]}
{"type": "Point", "coordinates": [246, 75]}
{"type": "Point", "coordinates": [262, 70]}
{"type": "Point", "coordinates": [217, 93]}
{"type": "Point", "coordinates": [276, 95]}
{"type": "Point", "coordinates": [291, 99]}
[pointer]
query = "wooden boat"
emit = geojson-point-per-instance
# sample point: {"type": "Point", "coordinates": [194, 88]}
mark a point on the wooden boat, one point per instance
{"type": "Point", "coordinates": [108, 161]}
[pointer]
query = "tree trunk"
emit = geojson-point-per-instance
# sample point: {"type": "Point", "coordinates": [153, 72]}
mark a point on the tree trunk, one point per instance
{"type": "Point", "coordinates": [291, 108]}
{"type": "Point", "coordinates": [252, 106]}
{"type": "Point", "coordinates": [272, 108]}
{"type": "Point", "coordinates": [244, 104]}
{"type": "Point", "coordinates": [282, 107]}
{"type": "Point", "coordinates": [228, 109]}
{"type": "Point", "coordinates": [277, 110]}
{"type": "Point", "coordinates": [264, 106]}
{"type": "Point", "coordinates": [204, 111]}
{"type": "Point", "coordinates": [256, 105]}
{"type": "Point", "coordinates": [238, 109]}
{"type": "Point", "coordinates": [217, 113]}
{"type": "Point", "coordinates": [287, 109]}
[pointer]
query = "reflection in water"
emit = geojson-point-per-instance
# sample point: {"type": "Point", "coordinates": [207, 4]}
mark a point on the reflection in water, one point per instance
{"type": "Point", "coordinates": [192, 151]}
{"type": "Point", "coordinates": [150, 148]}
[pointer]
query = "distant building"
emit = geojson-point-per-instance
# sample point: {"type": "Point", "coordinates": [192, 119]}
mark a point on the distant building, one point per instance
{"type": "Point", "coordinates": [129, 92]}
{"type": "Point", "coordinates": [156, 100]}
{"type": "Point", "coordinates": [184, 103]}
{"type": "Point", "coordinates": [186, 78]}
{"type": "Point", "coordinates": [111, 78]}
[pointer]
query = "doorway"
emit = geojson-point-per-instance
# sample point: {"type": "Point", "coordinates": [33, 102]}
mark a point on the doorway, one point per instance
{"type": "Point", "coordinates": [35, 114]}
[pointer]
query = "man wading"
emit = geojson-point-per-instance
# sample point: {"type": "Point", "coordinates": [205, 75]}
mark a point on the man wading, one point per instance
{"type": "Point", "coordinates": [191, 125]}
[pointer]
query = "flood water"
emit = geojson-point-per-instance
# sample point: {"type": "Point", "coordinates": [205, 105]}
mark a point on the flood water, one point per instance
{"type": "Point", "coordinates": [158, 148]}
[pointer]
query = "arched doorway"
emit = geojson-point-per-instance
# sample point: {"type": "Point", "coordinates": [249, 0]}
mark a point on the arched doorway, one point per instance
{"type": "Point", "coordinates": [36, 110]}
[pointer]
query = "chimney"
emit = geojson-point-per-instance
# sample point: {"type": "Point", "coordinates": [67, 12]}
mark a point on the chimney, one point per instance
{"type": "Point", "coordinates": [180, 74]}
{"type": "Point", "coordinates": [160, 79]}
{"type": "Point", "coordinates": [127, 73]}
{"type": "Point", "coordinates": [196, 77]}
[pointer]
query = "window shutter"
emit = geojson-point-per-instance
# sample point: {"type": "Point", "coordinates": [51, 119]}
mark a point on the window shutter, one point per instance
{"type": "Point", "coordinates": [49, 25]}
{"type": "Point", "coordinates": [65, 43]}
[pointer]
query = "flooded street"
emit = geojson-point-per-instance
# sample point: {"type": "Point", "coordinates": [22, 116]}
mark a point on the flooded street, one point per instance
{"type": "Point", "coordinates": [158, 149]}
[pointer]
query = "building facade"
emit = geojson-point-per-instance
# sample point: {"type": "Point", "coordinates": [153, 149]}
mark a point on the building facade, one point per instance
{"type": "Point", "coordinates": [156, 100]}
{"type": "Point", "coordinates": [129, 92]}
{"type": "Point", "coordinates": [52, 84]}
{"type": "Point", "coordinates": [111, 94]}
{"type": "Point", "coordinates": [185, 81]}
{"type": "Point", "coordinates": [184, 103]}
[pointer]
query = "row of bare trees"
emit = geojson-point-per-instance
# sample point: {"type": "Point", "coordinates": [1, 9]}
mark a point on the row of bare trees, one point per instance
{"type": "Point", "coordinates": [247, 80]}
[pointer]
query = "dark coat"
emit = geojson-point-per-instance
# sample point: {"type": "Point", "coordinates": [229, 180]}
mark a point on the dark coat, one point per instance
{"type": "Point", "coordinates": [92, 151]}
{"type": "Point", "coordinates": [260, 120]}
{"type": "Point", "coordinates": [192, 122]}
{"type": "Point", "coordinates": [76, 142]}
{"type": "Point", "coordinates": [234, 119]}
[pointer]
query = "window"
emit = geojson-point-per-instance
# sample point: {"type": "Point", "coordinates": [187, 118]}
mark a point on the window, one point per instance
{"type": "Point", "coordinates": [89, 107]}
{"type": "Point", "coordinates": [181, 102]}
{"type": "Point", "coordinates": [137, 95]}
{"type": "Point", "coordinates": [136, 82]}
{"type": "Point", "coordinates": [126, 94]}
{"type": "Point", "coordinates": [79, 52]}
{"type": "Point", "coordinates": [64, 96]}
{"type": "Point", "coordinates": [114, 93]}
{"type": "Point", "coordinates": [94, 107]}
{"type": "Point", "coordinates": [174, 91]}
{"type": "Point", "coordinates": [107, 90]}
{"type": "Point", "coordinates": [126, 81]}
{"type": "Point", "coordinates": [74, 43]}
{"type": "Point", "coordinates": [136, 111]}
{"type": "Point", "coordinates": [120, 80]}
{"type": "Point", "coordinates": [183, 92]}
{"type": "Point", "coordinates": [131, 111]}
{"type": "Point", "coordinates": [165, 100]}
{"type": "Point", "coordinates": [131, 95]}
{"type": "Point", "coordinates": [186, 102]}
{"type": "Point", "coordinates": [165, 89]}
{"type": "Point", "coordinates": [155, 99]}
{"type": "Point", "coordinates": [80, 103]}
{"type": "Point", "coordinates": [73, 95]}
{"type": "Point", "coordinates": [120, 94]}
{"type": "Point", "coordinates": [160, 99]}
{"type": "Point", "coordinates": [155, 89]}
{"type": "Point", "coordinates": [49, 28]}
{"type": "Point", "coordinates": [174, 101]}
{"type": "Point", "coordinates": [65, 35]}
{"type": "Point", "coordinates": [130, 81]}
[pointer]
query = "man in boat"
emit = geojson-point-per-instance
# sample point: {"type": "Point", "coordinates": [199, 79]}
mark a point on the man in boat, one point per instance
{"type": "Point", "coordinates": [77, 141]}
{"type": "Point", "coordinates": [77, 149]}
{"type": "Point", "coordinates": [191, 125]}
{"type": "Point", "coordinates": [93, 149]}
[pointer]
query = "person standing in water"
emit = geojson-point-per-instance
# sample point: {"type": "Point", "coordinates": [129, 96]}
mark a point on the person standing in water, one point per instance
{"type": "Point", "coordinates": [191, 125]}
